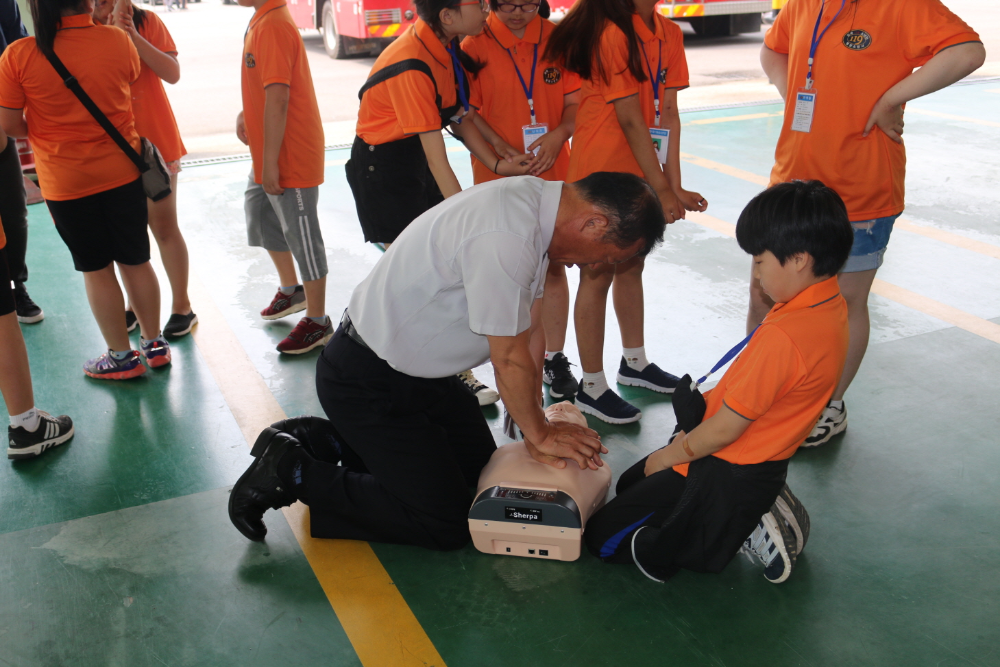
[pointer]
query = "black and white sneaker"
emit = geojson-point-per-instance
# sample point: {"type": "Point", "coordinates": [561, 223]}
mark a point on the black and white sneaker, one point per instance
{"type": "Point", "coordinates": [51, 432]}
{"type": "Point", "coordinates": [28, 311]}
{"type": "Point", "coordinates": [556, 374]}
{"type": "Point", "coordinates": [790, 509]}
{"type": "Point", "coordinates": [773, 544]}
{"type": "Point", "coordinates": [131, 321]}
{"type": "Point", "coordinates": [179, 325]}
{"type": "Point", "coordinates": [609, 407]}
{"type": "Point", "coordinates": [651, 377]}
{"type": "Point", "coordinates": [831, 422]}
{"type": "Point", "coordinates": [484, 394]}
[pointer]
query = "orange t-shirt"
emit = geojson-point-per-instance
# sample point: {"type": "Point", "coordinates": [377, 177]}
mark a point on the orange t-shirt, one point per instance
{"type": "Point", "coordinates": [498, 95]}
{"type": "Point", "coordinates": [871, 47]}
{"type": "Point", "coordinates": [154, 118]}
{"type": "Point", "coordinates": [785, 376]}
{"type": "Point", "coordinates": [598, 142]}
{"type": "Point", "coordinates": [74, 156]}
{"type": "Point", "coordinates": [404, 105]}
{"type": "Point", "coordinates": [273, 53]}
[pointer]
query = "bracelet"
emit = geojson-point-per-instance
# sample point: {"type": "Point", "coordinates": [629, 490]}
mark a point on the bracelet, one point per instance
{"type": "Point", "coordinates": [496, 166]}
{"type": "Point", "coordinates": [687, 449]}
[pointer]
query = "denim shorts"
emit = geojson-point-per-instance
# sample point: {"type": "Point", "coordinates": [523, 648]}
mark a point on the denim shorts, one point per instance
{"type": "Point", "coordinates": [871, 237]}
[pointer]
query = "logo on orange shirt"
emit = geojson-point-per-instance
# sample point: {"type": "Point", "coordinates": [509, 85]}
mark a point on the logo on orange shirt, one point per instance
{"type": "Point", "coordinates": [663, 76]}
{"type": "Point", "coordinates": [552, 75]}
{"type": "Point", "coordinates": [857, 40]}
{"type": "Point", "coordinates": [250, 61]}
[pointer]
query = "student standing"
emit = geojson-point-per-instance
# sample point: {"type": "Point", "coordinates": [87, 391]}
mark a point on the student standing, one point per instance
{"type": "Point", "coordinates": [541, 120]}
{"type": "Point", "coordinates": [154, 119]}
{"type": "Point", "coordinates": [843, 125]}
{"type": "Point", "coordinates": [92, 189]}
{"type": "Point", "coordinates": [632, 62]}
{"type": "Point", "coordinates": [280, 121]}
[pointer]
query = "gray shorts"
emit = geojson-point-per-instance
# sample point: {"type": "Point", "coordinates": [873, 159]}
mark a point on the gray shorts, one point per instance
{"type": "Point", "coordinates": [287, 222]}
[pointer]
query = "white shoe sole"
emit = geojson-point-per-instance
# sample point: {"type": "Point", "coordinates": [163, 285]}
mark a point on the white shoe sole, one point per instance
{"type": "Point", "coordinates": [836, 430]}
{"type": "Point", "coordinates": [297, 308]}
{"type": "Point", "coordinates": [31, 320]}
{"type": "Point", "coordinates": [636, 560]}
{"type": "Point", "coordinates": [38, 449]}
{"type": "Point", "coordinates": [645, 384]}
{"type": "Point", "coordinates": [320, 343]}
{"type": "Point", "coordinates": [801, 532]}
{"type": "Point", "coordinates": [772, 528]}
{"type": "Point", "coordinates": [487, 397]}
{"type": "Point", "coordinates": [586, 409]}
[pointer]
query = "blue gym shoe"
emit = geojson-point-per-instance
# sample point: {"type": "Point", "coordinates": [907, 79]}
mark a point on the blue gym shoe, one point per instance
{"type": "Point", "coordinates": [772, 543]}
{"type": "Point", "coordinates": [651, 377]}
{"type": "Point", "coordinates": [106, 367]}
{"type": "Point", "coordinates": [609, 407]}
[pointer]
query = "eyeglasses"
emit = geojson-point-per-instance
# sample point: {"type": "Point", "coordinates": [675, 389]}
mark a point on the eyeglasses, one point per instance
{"type": "Point", "coordinates": [527, 8]}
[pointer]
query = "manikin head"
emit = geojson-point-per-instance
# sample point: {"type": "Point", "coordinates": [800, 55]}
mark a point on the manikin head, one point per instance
{"type": "Point", "coordinates": [565, 412]}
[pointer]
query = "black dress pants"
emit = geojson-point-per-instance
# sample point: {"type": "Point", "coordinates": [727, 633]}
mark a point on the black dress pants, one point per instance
{"type": "Point", "coordinates": [412, 448]}
{"type": "Point", "coordinates": [13, 211]}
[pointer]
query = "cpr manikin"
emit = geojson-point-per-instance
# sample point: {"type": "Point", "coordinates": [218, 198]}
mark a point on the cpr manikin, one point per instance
{"type": "Point", "coordinates": [526, 508]}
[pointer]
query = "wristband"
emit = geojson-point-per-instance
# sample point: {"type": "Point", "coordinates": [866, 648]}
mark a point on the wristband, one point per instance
{"type": "Point", "coordinates": [684, 444]}
{"type": "Point", "coordinates": [496, 166]}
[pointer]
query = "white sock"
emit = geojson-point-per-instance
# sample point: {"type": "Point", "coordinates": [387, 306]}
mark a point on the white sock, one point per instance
{"type": "Point", "coordinates": [595, 384]}
{"type": "Point", "coordinates": [288, 291]}
{"type": "Point", "coordinates": [635, 357]}
{"type": "Point", "coordinates": [549, 356]}
{"type": "Point", "coordinates": [837, 404]}
{"type": "Point", "coordinates": [27, 420]}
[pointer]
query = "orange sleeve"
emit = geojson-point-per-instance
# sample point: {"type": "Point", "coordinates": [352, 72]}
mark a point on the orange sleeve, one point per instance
{"type": "Point", "coordinates": [154, 32]}
{"type": "Point", "coordinates": [769, 367]}
{"type": "Point", "coordinates": [614, 56]}
{"type": "Point", "coordinates": [571, 81]}
{"type": "Point", "coordinates": [11, 92]}
{"type": "Point", "coordinates": [777, 37]}
{"type": "Point", "coordinates": [926, 27]}
{"type": "Point", "coordinates": [676, 62]}
{"type": "Point", "coordinates": [412, 95]}
{"type": "Point", "coordinates": [276, 50]}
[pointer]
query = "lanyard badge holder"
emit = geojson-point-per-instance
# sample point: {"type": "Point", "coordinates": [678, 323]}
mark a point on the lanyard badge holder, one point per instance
{"type": "Point", "coordinates": [660, 136]}
{"type": "Point", "coordinates": [535, 131]}
{"type": "Point", "coordinates": [805, 98]}
{"type": "Point", "coordinates": [460, 79]}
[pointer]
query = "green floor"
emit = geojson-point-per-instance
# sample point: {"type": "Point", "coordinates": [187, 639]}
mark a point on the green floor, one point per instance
{"type": "Point", "coordinates": [116, 549]}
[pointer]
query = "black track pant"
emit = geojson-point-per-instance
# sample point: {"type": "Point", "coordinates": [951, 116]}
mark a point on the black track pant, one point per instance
{"type": "Point", "coordinates": [13, 211]}
{"type": "Point", "coordinates": [412, 448]}
{"type": "Point", "coordinates": [696, 522]}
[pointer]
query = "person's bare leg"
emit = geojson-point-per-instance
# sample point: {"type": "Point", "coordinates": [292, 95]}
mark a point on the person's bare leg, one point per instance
{"type": "Point", "coordinates": [855, 287]}
{"type": "Point", "coordinates": [760, 303]}
{"type": "Point", "coordinates": [108, 305]}
{"type": "Point", "coordinates": [555, 307]}
{"type": "Point", "coordinates": [315, 297]}
{"type": "Point", "coordinates": [589, 312]}
{"type": "Point", "coordinates": [144, 295]}
{"type": "Point", "coordinates": [285, 264]}
{"type": "Point", "coordinates": [15, 374]}
{"type": "Point", "coordinates": [627, 296]}
{"type": "Point", "coordinates": [173, 249]}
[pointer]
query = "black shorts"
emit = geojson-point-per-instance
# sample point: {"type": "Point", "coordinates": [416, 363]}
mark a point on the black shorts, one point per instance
{"type": "Point", "coordinates": [7, 305]}
{"type": "Point", "coordinates": [392, 184]}
{"type": "Point", "coordinates": [107, 227]}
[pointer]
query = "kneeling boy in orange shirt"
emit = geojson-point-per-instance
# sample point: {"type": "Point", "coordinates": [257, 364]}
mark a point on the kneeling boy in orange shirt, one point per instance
{"type": "Point", "coordinates": [693, 503]}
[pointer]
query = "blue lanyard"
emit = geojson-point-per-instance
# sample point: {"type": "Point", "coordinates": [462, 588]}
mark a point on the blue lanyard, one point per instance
{"type": "Point", "coordinates": [727, 357]}
{"type": "Point", "coordinates": [815, 41]}
{"type": "Point", "coordinates": [655, 80]}
{"type": "Point", "coordinates": [528, 90]}
{"type": "Point", "coordinates": [460, 77]}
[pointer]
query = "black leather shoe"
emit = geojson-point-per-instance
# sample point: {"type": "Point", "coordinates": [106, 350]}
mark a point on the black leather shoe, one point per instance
{"type": "Point", "coordinates": [317, 436]}
{"type": "Point", "coordinates": [260, 488]}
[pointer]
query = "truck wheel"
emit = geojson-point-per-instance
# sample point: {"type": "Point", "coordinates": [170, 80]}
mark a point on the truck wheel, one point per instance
{"type": "Point", "coordinates": [332, 41]}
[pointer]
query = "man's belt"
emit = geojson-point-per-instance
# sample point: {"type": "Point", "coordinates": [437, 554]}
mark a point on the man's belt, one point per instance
{"type": "Point", "coordinates": [351, 331]}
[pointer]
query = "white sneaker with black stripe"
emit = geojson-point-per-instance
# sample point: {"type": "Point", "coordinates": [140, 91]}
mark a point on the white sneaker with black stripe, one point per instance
{"type": "Point", "coordinates": [831, 422]}
{"type": "Point", "coordinates": [484, 394]}
{"type": "Point", "coordinates": [51, 432]}
{"type": "Point", "coordinates": [773, 544]}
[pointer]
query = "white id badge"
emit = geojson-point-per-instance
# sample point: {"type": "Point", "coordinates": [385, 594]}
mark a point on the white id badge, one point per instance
{"type": "Point", "coordinates": [805, 105]}
{"type": "Point", "coordinates": [661, 140]}
{"type": "Point", "coordinates": [532, 133]}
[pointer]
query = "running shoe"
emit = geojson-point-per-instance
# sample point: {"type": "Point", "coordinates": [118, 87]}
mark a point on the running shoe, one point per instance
{"type": "Point", "coordinates": [106, 367]}
{"type": "Point", "coordinates": [635, 559]}
{"type": "Point", "coordinates": [483, 393]}
{"type": "Point", "coordinates": [156, 351]}
{"type": "Point", "coordinates": [179, 325]}
{"type": "Point", "coordinates": [831, 422]}
{"type": "Point", "coordinates": [609, 407]}
{"type": "Point", "coordinates": [285, 304]}
{"type": "Point", "coordinates": [307, 335]}
{"type": "Point", "coordinates": [650, 377]}
{"type": "Point", "coordinates": [772, 543]}
{"type": "Point", "coordinates": [795, 515]}
{"type": "Point", "coordinates": [51, 432]}
{"type": "Point", "coordinates": [27, 310]}
{"type": "Point", "coordinates": [131, 321]}
{"type": "Point", "coordinates": [556, 374]}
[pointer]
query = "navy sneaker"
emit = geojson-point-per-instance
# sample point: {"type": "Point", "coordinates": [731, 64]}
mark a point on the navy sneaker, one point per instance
{"type": "Point", "coordinates": [651, 377]}
{"type": "Point", "coordinates": [559, 377]}
{"type": "Point", "coordinates": [773, 544]}
{"type": "Point", "coordinates": [635, 559]}
{"type": "Point", "coordinates": [609, 407]}
{"type": "Point", "coordinates": [131, 321]}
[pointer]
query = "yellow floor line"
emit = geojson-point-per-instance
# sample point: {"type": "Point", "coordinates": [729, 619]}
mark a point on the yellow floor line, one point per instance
{"type": "Point", "coordinates": [727, 119]}
{"type": "Point", "coordinates": [726, 169]}
{"type": "Point", "coordinates": [948, 116]}
{"type": "Point", "coordinates": [382, 628]}
{"type": "Point", "coordinates": [928, 306]}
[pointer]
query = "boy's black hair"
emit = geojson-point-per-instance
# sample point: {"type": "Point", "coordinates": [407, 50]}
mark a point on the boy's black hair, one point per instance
{"type": "Point", "coordinates": [794, 217]}
{"type": "Point", "coordinates": [631, 205]}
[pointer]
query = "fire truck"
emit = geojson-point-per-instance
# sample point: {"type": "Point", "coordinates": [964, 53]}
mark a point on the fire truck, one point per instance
{"type": "Point", "coordinates": [353, 27]}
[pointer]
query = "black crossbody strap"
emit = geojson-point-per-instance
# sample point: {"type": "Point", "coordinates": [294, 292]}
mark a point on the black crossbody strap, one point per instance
{"type": "Point", "coordinates": [98, 115]}
{"type": "Point", "coordinates": [396, 69]}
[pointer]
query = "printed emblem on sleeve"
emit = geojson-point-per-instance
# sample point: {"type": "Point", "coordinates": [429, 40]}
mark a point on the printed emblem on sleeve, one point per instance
{"type": "Point", "coordinates": [552, 75]}
{"type": "Point", "coordinates": [250, 61]}
{"type": "Point", "coordinates": [663, 76]}
{"type": "Point", "coordinates": [857, 40]}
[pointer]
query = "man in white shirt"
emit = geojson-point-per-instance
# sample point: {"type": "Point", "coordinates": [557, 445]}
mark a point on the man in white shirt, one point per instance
{"type": "Point", "coordinates": [455, 289]}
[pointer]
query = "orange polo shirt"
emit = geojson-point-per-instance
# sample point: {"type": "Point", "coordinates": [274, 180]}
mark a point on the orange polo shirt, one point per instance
{"type": "Point", "coordinates": [273, 53]}
{"type": "Point", "coordinates": [154, 117]}
{"type": "Point", "coordinates": [871, 47]}
{"type": "Point", "coordinates": [74, 156]}
{"type": "Point", "coordinates": [499, 96]}
{"type": "Point", "coordinates": [785, 376]}
{"type": "Point", "coordinates": [599, 143]}
{"type": "Point", "coordinates": [404, 105]}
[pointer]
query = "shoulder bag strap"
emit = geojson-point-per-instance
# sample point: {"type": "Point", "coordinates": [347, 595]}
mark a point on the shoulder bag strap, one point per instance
{"type": "Point", "coordinates": [98, 115]}
{"type": "Point", "coordinates": [396, 69]}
